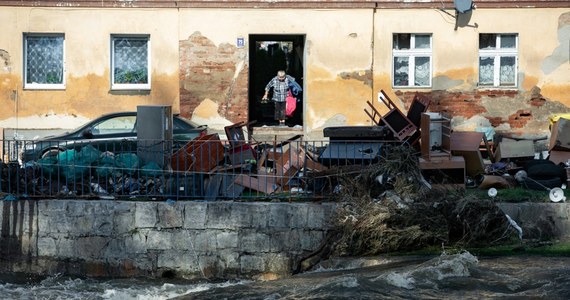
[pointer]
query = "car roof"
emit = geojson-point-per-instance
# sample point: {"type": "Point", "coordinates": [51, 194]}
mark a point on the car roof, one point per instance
{"type": "Point", "coordinates": [134, 113]}
{"type": "Point", "coordinates": [120, 114]}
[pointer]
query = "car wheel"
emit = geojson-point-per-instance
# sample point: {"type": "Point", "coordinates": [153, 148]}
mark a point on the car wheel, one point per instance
{"type": "Point", "coordinates": [51, 152]}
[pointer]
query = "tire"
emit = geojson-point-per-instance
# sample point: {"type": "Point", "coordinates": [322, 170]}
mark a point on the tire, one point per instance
{"type": "Point", "coordinates": [545, 171]}
{"type": "Point", "coordinates": [537, 162]}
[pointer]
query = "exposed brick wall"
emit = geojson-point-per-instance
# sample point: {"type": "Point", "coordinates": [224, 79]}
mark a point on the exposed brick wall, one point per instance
{"type": "Point", "coordinates": [207, 72]}
{"type": "Point", "coordinates": [469, 104]}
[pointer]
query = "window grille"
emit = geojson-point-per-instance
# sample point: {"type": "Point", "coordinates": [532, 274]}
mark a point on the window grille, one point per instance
{"type": "Point", "coordinates": [44, 61]}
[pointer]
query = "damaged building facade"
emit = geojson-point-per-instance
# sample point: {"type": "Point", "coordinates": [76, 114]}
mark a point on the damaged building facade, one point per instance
{"type": "Point", "coordinates": [500, 64]}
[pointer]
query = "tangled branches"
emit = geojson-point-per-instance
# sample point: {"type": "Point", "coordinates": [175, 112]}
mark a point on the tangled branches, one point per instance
{"type": "Point", "coordinates": [387, 208]}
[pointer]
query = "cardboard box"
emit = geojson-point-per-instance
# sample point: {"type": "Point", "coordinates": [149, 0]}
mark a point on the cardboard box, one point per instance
{"type": "Point", "coordinates": [514, 149]}
{"type": "Point", "coordinates": [557, 157]}
{"type": "Point", "coordinates": [560, 135]}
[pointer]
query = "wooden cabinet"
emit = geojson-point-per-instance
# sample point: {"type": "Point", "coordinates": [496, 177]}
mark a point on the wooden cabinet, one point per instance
{"type": "Point", "coordinates": [435, 136]}
{"type": "Point", "coordinates": [199, 155]}
{"type": "Point", "coordinates": [444, 172]}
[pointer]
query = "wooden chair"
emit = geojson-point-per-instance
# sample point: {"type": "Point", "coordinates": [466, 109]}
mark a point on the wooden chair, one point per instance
{"type": "Point", "coordinates": [240, 148]}
{"type": "Point", "coordinates": [419, 105]}
{"type": "Point", "coordinates": [374, 114]}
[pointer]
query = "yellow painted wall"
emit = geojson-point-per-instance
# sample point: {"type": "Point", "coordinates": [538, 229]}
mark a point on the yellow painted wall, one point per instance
{"type": "Point", "coordinates": [87, 54]}
{"type": "Point", "coordinates": [337, 42]}
{"type": "Point", "coordinates": [542, 34]}
{"type": "Point", "coordinates": [345, 50]}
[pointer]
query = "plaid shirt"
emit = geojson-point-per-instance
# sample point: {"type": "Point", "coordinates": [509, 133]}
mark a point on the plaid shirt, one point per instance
{"type": "Point", "coordinates": [280, 88]}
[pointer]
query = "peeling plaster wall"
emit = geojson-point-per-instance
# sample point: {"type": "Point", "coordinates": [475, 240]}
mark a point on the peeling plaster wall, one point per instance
{"type": "Point", "coordinates": [87, 62]}
{"type": "Point", "coordinates": [199, 70]}
{"type": "Point", "coordinates": [338, 61]}
{"type": "Point", "coordinates": [543, 70]}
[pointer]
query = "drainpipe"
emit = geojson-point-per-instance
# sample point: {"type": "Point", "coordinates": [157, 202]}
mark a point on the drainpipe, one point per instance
{"type": "Point", "coordinates": [372, 48]}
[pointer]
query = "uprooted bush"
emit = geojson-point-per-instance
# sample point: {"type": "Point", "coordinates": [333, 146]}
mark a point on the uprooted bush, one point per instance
{"type": "Point", "coordinates": [389, 207]}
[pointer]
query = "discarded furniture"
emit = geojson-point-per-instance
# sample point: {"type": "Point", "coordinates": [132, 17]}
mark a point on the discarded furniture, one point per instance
{"type": "Point", "coordinates": [278, 175]}
{"type": "Point", "coordinates": [154, 135]}
{"type": "Point", "coordinates": [468, 145]}
{"type": "Point", "coordinates": [351, 145]}
{"type": "Point", "coordinates": [558, 156]}
{"type": "Point", "coordinates": [435, 136]}
{"type": "Point", "coordinates": [513, 149]}
{"type": "Point", "coordinates": [404, 127]}
{"type": "Point", "coordinates": [419, 105]}
{"type": "Point", "coordinates": [397, 122]}
{"type": "Point", "coordinates": [265, 184]}
{"type": "Point", "coordinates": [560, 135]}
{"type": "Point", "coordinates": [559, 145]}
{"type": "Point", "coordinates": [240, 150]}
{"type": "Point", "coordinates": [359, 133]}
{"type": "Point", "coordinates": [199, 155]}
{"type": "Point", "coordinates": [443, 172]}
{"type": "Point", "coordinates": [373, 113]}
{"type": "Point", "coordinates": [351, 153]}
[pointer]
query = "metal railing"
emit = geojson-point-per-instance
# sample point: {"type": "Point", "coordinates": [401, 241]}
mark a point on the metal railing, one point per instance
{"type": "Point", "coordinates": [205, 168]}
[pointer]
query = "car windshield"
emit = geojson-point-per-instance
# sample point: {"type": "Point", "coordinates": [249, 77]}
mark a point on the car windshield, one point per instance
{"type": "Point", "coordinates": [122, 124]}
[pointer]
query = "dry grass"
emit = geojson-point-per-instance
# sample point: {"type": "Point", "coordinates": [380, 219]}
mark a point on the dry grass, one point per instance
{"type": "Point", "coordinates": [387, 207]}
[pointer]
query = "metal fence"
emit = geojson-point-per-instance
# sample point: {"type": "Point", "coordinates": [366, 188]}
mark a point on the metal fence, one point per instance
{"type": "Point", "coordinates": [205, 168]}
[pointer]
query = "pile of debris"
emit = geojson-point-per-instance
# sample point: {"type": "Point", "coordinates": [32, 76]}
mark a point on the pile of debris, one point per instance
{"type": "Point", "coordinates": [239, 167]}
{"type": "Point", "coordinates": [389, 207]}
{"type": "Point", "coordinates": [203, 168]}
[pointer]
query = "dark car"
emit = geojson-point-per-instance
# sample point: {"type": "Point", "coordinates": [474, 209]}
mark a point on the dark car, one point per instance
{"type": "Point", "coordinates": [115, 132]}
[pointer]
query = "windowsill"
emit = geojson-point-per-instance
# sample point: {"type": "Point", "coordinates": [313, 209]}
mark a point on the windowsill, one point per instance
{"type": "Point", "coordinates": [129, 91]}
{"type": "Point", "coordinates": [131, 88]}
{"type": "Point", "coordinates": [412, 87]}
{"type": "Point", "coordinates": [497, 87]}
{"type": "Point", "coordinates": [44, 88]}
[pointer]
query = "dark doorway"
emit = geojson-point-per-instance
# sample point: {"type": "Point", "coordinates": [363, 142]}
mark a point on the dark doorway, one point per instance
{"type": "Point", "coordinates": [267, 55]}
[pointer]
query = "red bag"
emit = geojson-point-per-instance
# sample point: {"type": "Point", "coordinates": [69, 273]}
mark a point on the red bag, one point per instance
{"type": "Point", "coordinates": [291, 104]}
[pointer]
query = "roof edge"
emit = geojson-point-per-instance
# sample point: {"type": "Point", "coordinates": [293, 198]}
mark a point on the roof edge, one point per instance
{"type": "Point", "coordinates": [271, 4]}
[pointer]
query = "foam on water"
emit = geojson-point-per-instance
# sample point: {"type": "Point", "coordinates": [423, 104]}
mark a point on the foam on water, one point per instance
{"type": "Point", "coordinates": [457, 276]}
{"type": "Point", "coordinates": [432, 271]}
{"type": "Point", "coordinates": [57, 287]}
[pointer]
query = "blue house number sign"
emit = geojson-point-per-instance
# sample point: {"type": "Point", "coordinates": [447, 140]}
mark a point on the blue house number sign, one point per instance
{"type": "Point", "coordinates": [240, 42]}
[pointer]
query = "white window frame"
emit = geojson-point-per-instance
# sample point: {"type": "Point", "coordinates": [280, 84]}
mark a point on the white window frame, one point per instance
{"type": "Point", "coordinates": [496, 54]}
{"type": "Point", "coordinates": [43, 86]}
{"type": "Point", "coordinates": [130, 86]}
{"type": "Point", "coordinates": [411, 54]}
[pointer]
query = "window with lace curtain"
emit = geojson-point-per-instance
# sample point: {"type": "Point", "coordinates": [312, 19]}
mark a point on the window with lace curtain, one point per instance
{"type": "Point", "coordinates": [130, 62]}
{"type": "Point", "coordinates": [412, 60]}
{"type": "Point", "coordinates": [44, 61]}
{"type": "Point", "coordinates": [498, 58]}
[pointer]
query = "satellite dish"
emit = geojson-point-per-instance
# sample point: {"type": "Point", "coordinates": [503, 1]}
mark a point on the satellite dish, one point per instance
{"type": "Point", "coordinates": [557, 195]}
{"type": "Point", "coordinates": [492, 192]}
{"type": "Point", "coordinates": [463, 6]}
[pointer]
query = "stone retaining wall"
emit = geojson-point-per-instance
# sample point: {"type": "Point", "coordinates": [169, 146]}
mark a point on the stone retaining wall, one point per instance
{"type": "Point", "coordinates": [186, 239]}
{"type": "Point", "coordinates": [182, 239]}
{"type": "Point", "coordinates": [540, 219]}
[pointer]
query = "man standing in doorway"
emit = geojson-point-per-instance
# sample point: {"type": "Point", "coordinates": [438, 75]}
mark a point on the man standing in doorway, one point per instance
{"type": "Point", "coordinates": [280, 85]}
